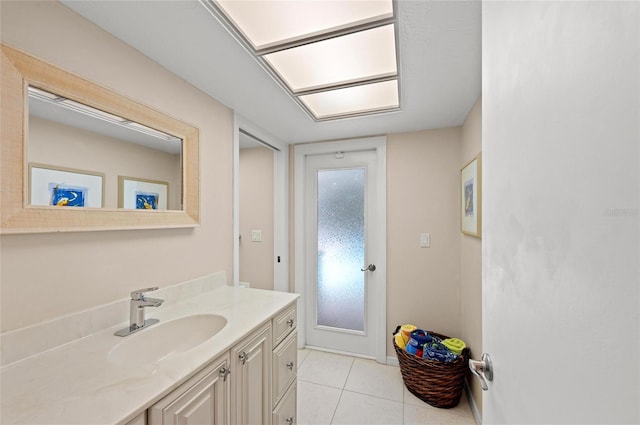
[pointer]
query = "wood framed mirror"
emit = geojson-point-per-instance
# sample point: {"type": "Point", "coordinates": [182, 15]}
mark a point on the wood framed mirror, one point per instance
{"type": "Point", "coordinates": [30, 136]}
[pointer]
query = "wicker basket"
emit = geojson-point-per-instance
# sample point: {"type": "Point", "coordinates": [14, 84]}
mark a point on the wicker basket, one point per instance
{"type": "Point", "coordinates": [434, 382]}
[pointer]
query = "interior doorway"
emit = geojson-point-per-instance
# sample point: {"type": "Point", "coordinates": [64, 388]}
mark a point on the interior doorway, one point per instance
{"type": "Point", "coordinates": [260, 231]}
{"type": "Point", "coordinates": [256, 197]}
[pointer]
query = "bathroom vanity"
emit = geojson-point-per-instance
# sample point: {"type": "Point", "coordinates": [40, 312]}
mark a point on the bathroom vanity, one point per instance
{"type": "Point", "coordinates": [246, 385]}
{"type": "Point", "coordinates": [172, 372]}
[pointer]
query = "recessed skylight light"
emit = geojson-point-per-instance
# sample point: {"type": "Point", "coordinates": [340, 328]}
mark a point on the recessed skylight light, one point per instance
{"type": "Point", "coordinates": [353, 57]}
{"type": "Point", "coordinates": [335, 58]}
{"type": "Point", "coordinates": [265, 23]}
{"type": "Point", "coordinates": [353, 100]}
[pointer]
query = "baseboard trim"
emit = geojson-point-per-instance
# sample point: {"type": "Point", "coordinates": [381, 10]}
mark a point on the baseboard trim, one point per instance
{"type": "Point", "coordinates": [344, 353]}
{"type": "Point", "coordinates": [392, 361]}
{"type": "Point", "coordinates": [472, 403]}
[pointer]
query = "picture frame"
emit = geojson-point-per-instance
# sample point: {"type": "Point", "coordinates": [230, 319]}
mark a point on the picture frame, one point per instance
{"type": "Point", "coordinates": [471, 197]}
{"type": "Point", "coordinates": [142, 194]}
{"type": "Point", "coordinates": [51, 185]}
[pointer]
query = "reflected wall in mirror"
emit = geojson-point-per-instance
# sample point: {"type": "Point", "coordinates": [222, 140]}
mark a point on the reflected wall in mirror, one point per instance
{"type": "Point", "coordinates": [59, 130]}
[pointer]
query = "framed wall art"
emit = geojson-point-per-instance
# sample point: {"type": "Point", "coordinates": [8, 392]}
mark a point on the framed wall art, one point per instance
{"type": "Point", "coordinates": [65, 187]}
{"type": "Point", "coordinates": [142, 194]}
{"type": "Point", "coordinates": [471, 197]}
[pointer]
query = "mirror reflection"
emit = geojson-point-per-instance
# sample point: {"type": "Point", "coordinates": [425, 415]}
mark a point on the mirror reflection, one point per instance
{"type": "Point", "coordinates": [79, 156]}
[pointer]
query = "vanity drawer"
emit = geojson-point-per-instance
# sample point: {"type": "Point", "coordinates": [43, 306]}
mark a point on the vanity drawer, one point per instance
{"type": "Point", "coordinates": [283, 324]}
{"type": "Point", "coordinates": [285, 364]}
{"type": "Point", "coordinates": [285, 411]}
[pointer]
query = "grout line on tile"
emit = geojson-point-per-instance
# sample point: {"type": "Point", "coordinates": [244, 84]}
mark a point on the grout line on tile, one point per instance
{"type": "Point", "coordinates": [333, 415]}
{"type": "Point", "coordinates": [374, 396]}
{"type": "Point", "coordinates": [348, 373]}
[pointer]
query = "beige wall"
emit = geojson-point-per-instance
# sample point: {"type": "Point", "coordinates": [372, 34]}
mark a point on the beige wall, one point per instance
{"type": "Point", "coordinates": [48, 275]}
{"type": "Point", "coordinates": [256, 213]}
{"type": "Point", "coordinates": [471, 257]}
{"type": "Point", "coordinates": [423, 284]}
{"type": "Point", "coordinates": [61, 145]}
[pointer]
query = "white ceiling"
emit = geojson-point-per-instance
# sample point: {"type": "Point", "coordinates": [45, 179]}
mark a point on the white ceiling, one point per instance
{"type": "Point", "coordinates": [439, 58]}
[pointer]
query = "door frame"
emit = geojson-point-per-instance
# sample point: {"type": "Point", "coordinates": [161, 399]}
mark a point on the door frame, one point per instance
{"type": "Point", "coordinates": [280, 202]}
{"type": "Point", "coordinates": [379, 144]}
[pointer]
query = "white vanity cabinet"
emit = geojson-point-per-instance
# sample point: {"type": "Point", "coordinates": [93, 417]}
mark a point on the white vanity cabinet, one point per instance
{"type": "Point", "coordinates": [203, 399]}
{"type": "Point", "coordinates": [253, 383]}
{"type": "Point", "coordinates": [251, 378]}
{"type": "Point", "coordinates": [264, 373]}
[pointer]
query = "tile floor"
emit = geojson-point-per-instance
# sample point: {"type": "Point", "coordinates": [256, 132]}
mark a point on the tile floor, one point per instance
{"type": "Point", "coordinates": [341, 390]}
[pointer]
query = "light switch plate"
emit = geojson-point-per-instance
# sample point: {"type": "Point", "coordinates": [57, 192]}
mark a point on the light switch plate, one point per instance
{"type": "Point", "coordinates": [425, 240]}
{"type": "Point", "coordinates": [256, 236]}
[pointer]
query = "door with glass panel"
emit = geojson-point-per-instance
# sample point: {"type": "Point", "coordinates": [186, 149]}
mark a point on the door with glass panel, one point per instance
{"type": "Point", "coordinates": [340, 213]}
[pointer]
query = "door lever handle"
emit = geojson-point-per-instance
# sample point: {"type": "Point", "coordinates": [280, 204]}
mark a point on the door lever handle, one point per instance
{"type": "Point", "coordinates": [370, 267]}
{"type": "Point", "coordinates": [483, 369]}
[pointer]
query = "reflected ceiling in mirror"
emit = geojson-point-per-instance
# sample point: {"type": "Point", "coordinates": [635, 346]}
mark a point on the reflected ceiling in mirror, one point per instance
{"type": "Point", "coordinates": [58, 126]}
{"type": "Point", "coordinates": [71, 143]}
{"type": "Point", "coordinates": [60, 109]}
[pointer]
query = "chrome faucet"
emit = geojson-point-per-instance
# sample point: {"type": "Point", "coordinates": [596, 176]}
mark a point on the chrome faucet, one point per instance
{"type": "Point", "coordinates": [136, 311]}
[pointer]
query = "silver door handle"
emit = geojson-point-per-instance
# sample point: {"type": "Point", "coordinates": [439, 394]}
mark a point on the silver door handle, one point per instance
{"type": "Point", "coordinates": [483, 369]}
{"type": "Point", "coordinates": [370, 267]}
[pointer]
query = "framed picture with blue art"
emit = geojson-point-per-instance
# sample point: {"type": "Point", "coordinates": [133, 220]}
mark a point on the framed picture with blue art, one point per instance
{"type": "Point", "coordinates": [142, 194]}
{"type": "Point", "coordinates": [51, 185]}
{"type": "Point", "coordinates": [471, 197]}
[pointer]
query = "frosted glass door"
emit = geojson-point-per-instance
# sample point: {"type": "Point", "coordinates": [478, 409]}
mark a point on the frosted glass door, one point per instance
{"type": "Point", "coordinates": [341, 254]}
{"type": "Point", "coordinates": [342, 236]}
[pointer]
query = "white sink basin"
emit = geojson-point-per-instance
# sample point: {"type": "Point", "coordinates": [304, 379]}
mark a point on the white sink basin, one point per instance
{"type": "Point", "coordinates": [166, 339]}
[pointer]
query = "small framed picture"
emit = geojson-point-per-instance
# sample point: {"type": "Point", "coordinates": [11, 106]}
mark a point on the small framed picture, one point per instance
{"type": "Point", "coordinates": [142, 194]}
{"type": "Point", "coordinates": [471, 197]}
{"type": "Point", "coordinates": [65, 187]}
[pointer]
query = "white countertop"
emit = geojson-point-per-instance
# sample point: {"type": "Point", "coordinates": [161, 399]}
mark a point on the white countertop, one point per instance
{"type": "Point", "coordinates": [76, 384]}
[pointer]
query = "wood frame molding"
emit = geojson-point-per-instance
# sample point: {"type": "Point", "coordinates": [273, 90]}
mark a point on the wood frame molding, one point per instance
{"type": "Point", "coordinates": [19, 70]}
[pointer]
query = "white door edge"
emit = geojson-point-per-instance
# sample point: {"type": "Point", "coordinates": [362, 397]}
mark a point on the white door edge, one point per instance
{"type": "Point", "coordinates": [379, 144]}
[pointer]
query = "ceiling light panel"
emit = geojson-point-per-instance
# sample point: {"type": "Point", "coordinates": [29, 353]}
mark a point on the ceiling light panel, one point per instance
{"type": "Point", "coordinates": [353, 57]}
{"type": "Point", "coordinates": [266, 22]}
{"type": "Point", "coordinates": [353, 100]}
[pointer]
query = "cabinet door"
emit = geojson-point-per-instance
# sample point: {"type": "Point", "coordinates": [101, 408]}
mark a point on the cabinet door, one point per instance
{"type": "Point", "coordinates": [202, 400]}
{"type": "Point", "coordinates": [251, 384]}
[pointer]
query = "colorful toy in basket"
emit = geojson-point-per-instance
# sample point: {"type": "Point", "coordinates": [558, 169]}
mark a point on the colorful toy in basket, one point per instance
{"type": "Point", "coordinates": [436, 351]}
{"type": "Point", "coordinates": [400, 341]}
{"type": "Point", "coordinates": [417, 341]}
{"type": "Point", "coordinates": [422, 344]}
{"type": "Point", "coordinates": [455, 345]}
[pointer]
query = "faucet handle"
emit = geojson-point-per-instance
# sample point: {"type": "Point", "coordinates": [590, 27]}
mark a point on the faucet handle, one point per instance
{"type": "Point", "coordinates": [138, 294]}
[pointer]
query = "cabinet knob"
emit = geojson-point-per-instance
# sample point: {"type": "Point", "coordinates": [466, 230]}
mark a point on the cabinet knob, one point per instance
{"type": "Point", "coordinates": [289, 420]}
{"type": "Point", "coordinates": [290, 365]}
{"type": "Point", "coordinates": [224, 372]}
{"type": "Point", "coordinates": [243, 357]}
{"type": "Point", "coordinates": [290, 323]}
